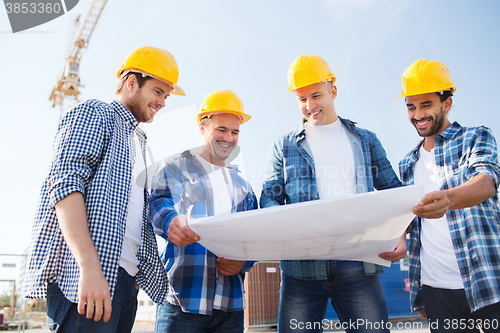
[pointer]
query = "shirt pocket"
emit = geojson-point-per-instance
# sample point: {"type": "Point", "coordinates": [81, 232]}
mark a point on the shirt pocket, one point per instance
{"type": "Point", "coordinates": [193, 190]}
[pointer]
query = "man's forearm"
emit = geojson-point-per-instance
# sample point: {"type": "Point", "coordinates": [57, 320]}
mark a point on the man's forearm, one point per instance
{"type": "Point", "coordinates": [270, 196]}
{"type": "Point", "coordinates": [72, 217]}
{"type": "Point", "coordinates": [472, 192]}
{"type": "Point", "coordinates": [435, 204]}
{"type": "Point", "coordinates": [94, 298]}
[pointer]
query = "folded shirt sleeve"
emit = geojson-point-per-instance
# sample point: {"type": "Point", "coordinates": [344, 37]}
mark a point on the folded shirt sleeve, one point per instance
{"type": "Point", "coordinates": [77, 153]}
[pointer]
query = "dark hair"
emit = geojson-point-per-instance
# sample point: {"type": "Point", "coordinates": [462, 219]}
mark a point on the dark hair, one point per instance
{"type": "Point", "coordinates": [444, 96]}
{"type": "Point", "coordinates": [141, 80]}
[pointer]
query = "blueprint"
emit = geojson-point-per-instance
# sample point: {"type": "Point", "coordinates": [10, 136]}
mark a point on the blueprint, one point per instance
{"type": "Point", "coordinates": [359, 227]}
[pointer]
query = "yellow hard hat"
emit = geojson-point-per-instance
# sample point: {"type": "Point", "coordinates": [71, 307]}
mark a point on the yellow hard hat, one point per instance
{"type": "Point", "coordinates": [157, 63]}
{"type": "Point", "coordinates": [426, 76]}
{"type": "Point", "coordinates": [307, 70]}
{"type": "Point", "coordinates": [222, 101]}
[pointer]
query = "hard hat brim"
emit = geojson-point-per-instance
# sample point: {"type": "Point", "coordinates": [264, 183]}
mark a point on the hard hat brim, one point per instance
{"type": "Point", "coordinates": [332, 79]}
{"type": "Point", "coordinates": [243, 116]}
{"type": "Point", "coordinates": [453, 89]}
{"type": "Point", "coordinates": [176, 90]}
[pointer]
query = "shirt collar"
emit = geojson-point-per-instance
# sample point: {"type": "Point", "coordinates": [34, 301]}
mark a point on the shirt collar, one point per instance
{"type": "Point", "coordinates": [300, 132]}
{"type": "Point", "coordinates": [125, 114]}
{"type": "Point", "coordinates": [415, 153]}
{"type": "Point", "coordinates": [451, 131]}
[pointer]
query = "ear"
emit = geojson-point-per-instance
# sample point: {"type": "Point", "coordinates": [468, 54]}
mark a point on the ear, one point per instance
{"type": "Point", "coordinates": [334, 91]}
{"type": "Point", "coordinates": [201, 127]}
{"type": "Point", "coordinates": [447, 104]}
{"type": "Point", "coordinates": [131, 83]}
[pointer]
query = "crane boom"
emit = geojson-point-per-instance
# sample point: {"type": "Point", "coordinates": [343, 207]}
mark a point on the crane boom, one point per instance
{"type": "Point", "coordinates": [68, 83]}
{"type": "Point", "coordinates": [82, 41]}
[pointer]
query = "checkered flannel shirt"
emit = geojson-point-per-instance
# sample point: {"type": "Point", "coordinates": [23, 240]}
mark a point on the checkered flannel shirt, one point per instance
{"type": "Point", "coordinates": [290, 178]}
{"type": "Point", "coordinates": [180, 184]}
{"type": "Point", "coordinates": [461, 154]}
{"type": "Point", "coordinates": [93, 154]}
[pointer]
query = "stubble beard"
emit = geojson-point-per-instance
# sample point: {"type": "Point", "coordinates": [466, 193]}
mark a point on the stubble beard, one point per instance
{"type": "Point", "coordinates": [436, 124]}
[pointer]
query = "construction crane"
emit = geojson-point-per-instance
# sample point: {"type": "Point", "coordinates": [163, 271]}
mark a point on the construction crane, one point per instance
{"type": "Point", "coordinates": [67, 87]}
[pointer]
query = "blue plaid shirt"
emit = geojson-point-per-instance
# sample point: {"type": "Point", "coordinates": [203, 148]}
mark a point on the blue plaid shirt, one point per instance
{"type": "Point", "coordinates": [290, 178]}
{"type": "Point", "coordinates": [461, 154]}
{"type": "Point", "coordinates": [92, 155]}
{"type": "Point", "coordinates": [194, 281]}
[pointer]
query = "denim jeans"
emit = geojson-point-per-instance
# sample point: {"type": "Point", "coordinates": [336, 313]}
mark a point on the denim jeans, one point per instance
{"type": "Point", "coordinates": [357, 298]}
{"type": "Point", "coordinates": [171, 319]}
{"type": "Point", "coordinates": [448, 311]}
{"type": "Point", "coordinates": [63, 316]}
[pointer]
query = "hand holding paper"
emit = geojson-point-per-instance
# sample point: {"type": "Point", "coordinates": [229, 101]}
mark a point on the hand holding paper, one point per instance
{"type": "Point", "coordinates": [179, 233]}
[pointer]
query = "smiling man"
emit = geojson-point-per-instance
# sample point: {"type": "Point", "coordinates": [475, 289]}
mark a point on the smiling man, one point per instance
{"type": "Point", "coordinates": [91, 241]}
{"type": "Point", "coordinates": [327, 157]}
{"type": "Point", "coordinates": [455, 241]}
{"type": "Point", "coordinates": [205, 293]}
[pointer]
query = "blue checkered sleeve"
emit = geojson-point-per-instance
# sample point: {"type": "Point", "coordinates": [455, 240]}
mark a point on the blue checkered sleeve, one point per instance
{"type": "Point", "coordinates": [483, 154]}
{"type": "Point", "coordinates": [383, 174]}
{"type": "Point", "coordinates": [273, 188]}
{"type": "Point", "coordinates": [289, 176]}
{"type": "Point", "coordinates": [77, 152]}
{"type": "Point", "coordinates": [163, 198]}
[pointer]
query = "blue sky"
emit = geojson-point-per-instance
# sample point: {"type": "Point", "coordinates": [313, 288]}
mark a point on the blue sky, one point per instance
{"type": "Point", "coordinates": [245, 46]}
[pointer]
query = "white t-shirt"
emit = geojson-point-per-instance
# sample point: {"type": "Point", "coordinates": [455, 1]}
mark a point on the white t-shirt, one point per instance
{"type": "Point", "coordinates": [222, 186]}
{"type": "Point", "coordinates": [132, 238]}
{"type": "Point", "coordinates": [439, 267]}
{"type": "Point", "coordinates": [333, 159]}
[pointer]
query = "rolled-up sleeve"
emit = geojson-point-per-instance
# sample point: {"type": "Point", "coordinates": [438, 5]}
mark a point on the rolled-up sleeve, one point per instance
{"type": "Point", "coordinates": [166, 193]}
{"type": "Point", "coordinates": [483, 158]}
{"type": "Point", "coordinates": [273, 189]}
{"type": "Point", "coordinates": [77, 152]}
{"type": "Point", "coordinates": [384, 176]}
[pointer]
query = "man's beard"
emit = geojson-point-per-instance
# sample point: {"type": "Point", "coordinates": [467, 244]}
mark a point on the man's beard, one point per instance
{"type": "Point", "coordinates": [436, 124]}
